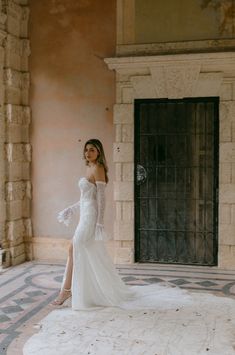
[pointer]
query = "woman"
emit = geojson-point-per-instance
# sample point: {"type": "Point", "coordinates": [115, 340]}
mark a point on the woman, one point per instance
{"type": "Point", "coordinates": [90, 276]}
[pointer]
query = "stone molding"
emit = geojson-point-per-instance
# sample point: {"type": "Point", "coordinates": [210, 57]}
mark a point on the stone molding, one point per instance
{"type": "Point", "coordinates": [197, 46]}
{"type": "Point", "coordinates": [174, 77]}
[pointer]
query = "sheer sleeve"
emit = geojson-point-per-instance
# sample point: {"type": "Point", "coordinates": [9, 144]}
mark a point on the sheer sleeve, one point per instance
{"type": "Point", "coordinates": [66, 215]}
{"type": "Point", "coordinates": [100, 232]}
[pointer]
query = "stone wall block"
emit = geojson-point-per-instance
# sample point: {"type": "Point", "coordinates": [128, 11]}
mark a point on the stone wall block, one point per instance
{"type": "Point", "coordinates": [124, 256]}
{"type": "Point", "coordinates": [25, 88]}
{"type": "Point", "coordinates": [3, 211]}
{"type": "Point", "coordinates": [225, 91]}
{"type": "Point", "coordinates": [17, 87]}
{"type": "Point", "coordinates": [124, 230]}
{"type": "Point", "coordinates": [225, 131]}
{"type": "Point", "coordinates": [233, 173]}
{"type": "Point", "coordinates": [208, 84]}
{"type": "Point", "coordinates": [118, 211]}
{"type": "Point", "coordinates": [225, 173]}
{"type": "Point", "coordinates": [227, 193]}
{"type": "Point", "coordinates": [127, 95]}
{"type": "Point", "coordinates": [2, 92]}
{"type": "Point", "coordinates": [127, 133]}
{"type": "Point", "coordinates": [17, 53]}
{"type": "Point", "coordinates": [118, 93]}
{"type": "Point", "coordinates": [123, 113]}
{"type": "Point", "coordinates": [123, 191]}
{"type": "Point", "coordinates": [123, 152]}
{"type": "Point", "coordinates": [16, 171]}
{"type": "Point", "coordinates": [225, 213]}
{"type": "Point", "coordinates": [16, 260]}
{"type": "Point", "coordinates": [3, 242]}
{"type": "Point", "coordinates": [14, 15]}
{"type": "Point", "coordinates": [28, 227]}
{"type": "Point", "coordinates": [227, 234]}
{"type": "Point", "coordinates": [12, 80]}
{"type": "Point", "coordinates": [118, 171]}
{"type": "Point", "coordinates": [143, 86]}
{"type": "Point", "coordinates": [24, 22]}
{"type": "Point", "coordinates": [17, 250]}
{"type": "Point", "coordinates": [26, 208]}
{"type": "Point", "coordinates": [128, 211]}
{"type": "Point", "coordinates": [227, 152]}
{"type": "Point", "coordinates": [227, 111]}
{"type": "Point", "coordinates": [18, 152]}
{"type": "Point", "coordinates": [14, 210]}
{"type": "Point", "coordinates": [128, 171]}
{"type": "Point", "coordinates": [25, 55]}
{"type": "Point", "coordinates": [118, 131]}
{"type": "Point", "coordinates": [17, 114]}
{"type": "Point", "coordinates": [13, 52]}
{"type": "Point", "coordinates": [176, 81]}
{"type": "Point", "coordinates": [18, 209]}
{"type": "Point", "coordinates": [233, 131]}
{"type": "Point", "coordinates": [19, 231]}
{"type": "Point", "coordinates": [233, 214]}
{"type": "Point", "coordinates": [227, 256]}
{"type": "Point", "coordinates": [15, 231]}
{"type": "Point", "coordinates": [18, 190]}
{"type": "Point", "coordinates": [16, 134]}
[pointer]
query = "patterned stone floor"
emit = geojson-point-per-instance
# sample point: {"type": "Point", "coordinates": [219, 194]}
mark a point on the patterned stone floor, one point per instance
{"type": "Point", "coordinates": [27, 290]}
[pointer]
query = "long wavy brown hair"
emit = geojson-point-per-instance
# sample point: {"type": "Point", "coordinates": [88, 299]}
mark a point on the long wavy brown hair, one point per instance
{"type": "Point", "coordinates": [101, 157]}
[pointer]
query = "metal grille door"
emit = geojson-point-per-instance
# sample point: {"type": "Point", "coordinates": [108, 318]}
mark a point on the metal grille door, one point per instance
{"type": "Point", "coordinates": [176, 181]}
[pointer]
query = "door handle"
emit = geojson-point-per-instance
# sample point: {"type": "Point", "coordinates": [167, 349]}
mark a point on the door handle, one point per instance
{"type": "Point", "coordinates": [141, 174]}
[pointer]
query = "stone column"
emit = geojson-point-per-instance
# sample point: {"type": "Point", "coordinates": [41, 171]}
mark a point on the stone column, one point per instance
{"type": "Point", "coordinates": [16, 190]}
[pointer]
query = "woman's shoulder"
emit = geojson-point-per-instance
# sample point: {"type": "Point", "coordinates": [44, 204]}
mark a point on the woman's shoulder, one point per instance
{"type": "Point", "coordinates": [99, 172]}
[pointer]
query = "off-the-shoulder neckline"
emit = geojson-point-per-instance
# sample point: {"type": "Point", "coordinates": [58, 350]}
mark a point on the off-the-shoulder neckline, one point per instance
{"type": "Point", "coordinates": [97, 182]}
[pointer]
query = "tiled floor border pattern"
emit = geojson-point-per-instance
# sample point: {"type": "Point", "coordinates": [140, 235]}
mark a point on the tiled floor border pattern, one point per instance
{"type": "Point", "coordinates": [26, 290]}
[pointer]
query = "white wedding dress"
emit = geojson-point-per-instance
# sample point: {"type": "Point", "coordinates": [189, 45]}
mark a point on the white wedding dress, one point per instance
{"type": "Point", "coordinates": [95, 281]}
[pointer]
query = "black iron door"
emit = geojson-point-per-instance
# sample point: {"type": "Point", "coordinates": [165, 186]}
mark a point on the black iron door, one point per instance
{"type": "Point", "coordinates": [176, 181]}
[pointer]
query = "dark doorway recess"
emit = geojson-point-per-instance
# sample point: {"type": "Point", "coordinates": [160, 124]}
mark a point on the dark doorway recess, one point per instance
{"type": "Point", "coordinates": [176, 180]}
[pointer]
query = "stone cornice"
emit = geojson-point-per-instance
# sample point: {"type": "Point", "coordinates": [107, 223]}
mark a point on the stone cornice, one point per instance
{"type": "Point", "coordinates": [197, 46]}
{"type": "Point", "coordinates": [220, 60]}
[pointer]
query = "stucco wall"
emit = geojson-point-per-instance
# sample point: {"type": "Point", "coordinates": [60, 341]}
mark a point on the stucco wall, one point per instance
{"type": "Point", "coordinates": [183, 20]}
{"type": "Point", "coordinates": [72, 94]}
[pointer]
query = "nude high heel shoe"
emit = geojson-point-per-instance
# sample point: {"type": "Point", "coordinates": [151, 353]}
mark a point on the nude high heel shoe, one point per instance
{"type": "Point", "coordinates": [60, 300]}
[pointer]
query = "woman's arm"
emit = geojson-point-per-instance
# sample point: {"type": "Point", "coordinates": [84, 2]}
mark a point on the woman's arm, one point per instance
{"type": "Point", "coordinates": [99, 175]}
{"type": "Point", "coordinates": [66, 215]}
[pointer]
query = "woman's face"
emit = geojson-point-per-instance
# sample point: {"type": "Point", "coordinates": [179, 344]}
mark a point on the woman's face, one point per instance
{"type": "Point", "coordinates": [91, 153]}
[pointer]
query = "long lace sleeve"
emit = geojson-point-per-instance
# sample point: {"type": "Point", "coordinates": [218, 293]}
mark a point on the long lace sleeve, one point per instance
{"type": "Point", "coordinates": [99, 232]}
{"type": "Point", "coordinates": [66, 215]}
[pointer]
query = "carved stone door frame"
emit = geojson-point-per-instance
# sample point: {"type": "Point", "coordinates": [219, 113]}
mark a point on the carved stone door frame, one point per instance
{"type": "Point", "coordinates": [173, 76]}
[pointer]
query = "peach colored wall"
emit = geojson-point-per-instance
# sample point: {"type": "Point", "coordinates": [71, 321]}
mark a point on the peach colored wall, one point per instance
{"type": "Point", "coordinates": [72, 93]}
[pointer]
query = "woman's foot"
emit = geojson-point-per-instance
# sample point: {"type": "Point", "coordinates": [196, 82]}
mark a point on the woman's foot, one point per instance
{"type": "Point", "coordinates": [63, 296]}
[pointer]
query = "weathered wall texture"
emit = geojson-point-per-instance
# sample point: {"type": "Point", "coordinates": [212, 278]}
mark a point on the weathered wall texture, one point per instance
{"type": "Point", "coordinates": [15, 149]}
{"type": "Point", "coordinates": [183, 20]}
{"type": "Point", "coordinates": [179, 26]}
{"type": "Point", "coordinates": [72, 94]}
{"type": "Point", "coordinates": [142, 72]}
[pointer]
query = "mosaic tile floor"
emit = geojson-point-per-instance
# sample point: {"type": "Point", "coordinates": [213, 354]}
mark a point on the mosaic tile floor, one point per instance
{"type": "Point", "coordinates": [27, 290]}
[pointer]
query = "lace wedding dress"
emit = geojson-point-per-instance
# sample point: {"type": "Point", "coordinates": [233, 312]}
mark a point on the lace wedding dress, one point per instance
{"type": "Point", "coordinates": [95, 281]}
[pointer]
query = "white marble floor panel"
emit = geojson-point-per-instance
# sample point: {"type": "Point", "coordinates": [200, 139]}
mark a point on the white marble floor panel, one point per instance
{"type": "Point", "coordinates": [188, 324]}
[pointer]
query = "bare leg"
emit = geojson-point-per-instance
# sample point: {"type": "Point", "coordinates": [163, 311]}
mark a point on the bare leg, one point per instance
{"type": "Point", "coordinates": [69, 272]}
{"type": "Point", "coordinates": [65, 291]}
